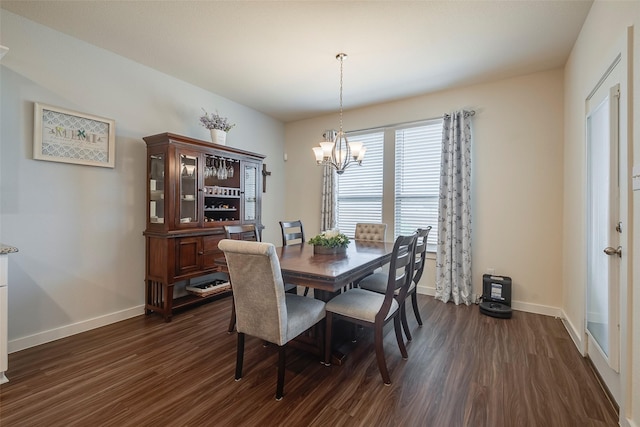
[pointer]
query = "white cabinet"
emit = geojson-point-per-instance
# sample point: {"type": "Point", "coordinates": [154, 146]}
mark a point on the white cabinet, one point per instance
{"type": "Point", "coordinates": [4, 314]}
{"type": "Point", "coordinates": [4, 364]}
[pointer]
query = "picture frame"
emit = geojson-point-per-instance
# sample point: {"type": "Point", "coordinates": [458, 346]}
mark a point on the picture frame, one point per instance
{"type": "Point", "coordinates": [67, 136]}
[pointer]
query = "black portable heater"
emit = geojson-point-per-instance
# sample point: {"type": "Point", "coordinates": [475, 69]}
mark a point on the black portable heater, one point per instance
{"type": "Point", "coordinates": [496, 296]}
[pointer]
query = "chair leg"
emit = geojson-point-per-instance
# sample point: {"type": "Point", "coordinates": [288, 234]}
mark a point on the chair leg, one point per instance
{"type": "Point", "coordinates": [396, 326]}
{"type": "Point", "coordinates": [405, 324]}
{"type": "Point", "coordinates": [327, 339]}
{"type": "Point", "coordinates": [382, 363]}
{"type": "Point", "coordinates": [281, 369]}
{"type": "Point", "coordinates": [232, 321]}
{"type": "Point", "coordinates": [414, 302]}
{"type": "Point", "coordinates": [306, 291]}
{"type": "Point", "coordinates": [239, 356]}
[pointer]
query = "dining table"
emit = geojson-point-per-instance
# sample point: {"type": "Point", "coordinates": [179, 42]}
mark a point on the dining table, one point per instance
{"type": "Point", "coordinates": [327, 275]}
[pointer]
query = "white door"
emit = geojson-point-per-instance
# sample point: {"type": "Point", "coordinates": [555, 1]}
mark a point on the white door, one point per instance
{"type": "Point", "coordinates": [602, 321]}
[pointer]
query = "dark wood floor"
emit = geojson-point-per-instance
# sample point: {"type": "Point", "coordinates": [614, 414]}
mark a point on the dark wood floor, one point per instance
{"type": "Point", "coordinates": [464, 369]}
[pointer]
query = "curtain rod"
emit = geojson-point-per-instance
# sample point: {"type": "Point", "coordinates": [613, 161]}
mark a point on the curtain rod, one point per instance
{"type": "Point", "coordinates": [467, 112]}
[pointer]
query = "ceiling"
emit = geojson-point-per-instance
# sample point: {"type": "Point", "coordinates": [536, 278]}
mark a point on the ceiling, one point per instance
{"type": "Point", "coordinates": [278, 57]}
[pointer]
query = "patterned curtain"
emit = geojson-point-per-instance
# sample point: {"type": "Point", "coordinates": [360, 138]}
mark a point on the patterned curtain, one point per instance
{"type": "Point", "coordinates": [329, 199]}
{"type": "Point", "coordinates": [453, 264]}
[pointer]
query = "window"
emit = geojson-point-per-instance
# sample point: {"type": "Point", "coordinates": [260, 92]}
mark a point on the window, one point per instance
{"type": "Point", "coordinates": [417, 179]}
{"type": "Point", "coordinates": [416, 172]}
{"type": "Point", "coordinates": [360, 187]}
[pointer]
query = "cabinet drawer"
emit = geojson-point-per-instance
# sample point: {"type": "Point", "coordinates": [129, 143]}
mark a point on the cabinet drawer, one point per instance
{"type": "Point", "coordinates": [210, 243]}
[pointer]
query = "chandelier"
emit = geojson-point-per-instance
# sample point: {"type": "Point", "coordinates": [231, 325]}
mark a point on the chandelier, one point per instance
{"type": "Point", "coordinates": [335, 150]}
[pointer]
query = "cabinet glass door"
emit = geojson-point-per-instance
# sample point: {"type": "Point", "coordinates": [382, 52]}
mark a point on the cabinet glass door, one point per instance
{"type": "Point", "coordinates": [250, 192]}
{"type": "Point", "coordinates": [189, 203]}
{"type": "Point", "coordinates": [156, 188]}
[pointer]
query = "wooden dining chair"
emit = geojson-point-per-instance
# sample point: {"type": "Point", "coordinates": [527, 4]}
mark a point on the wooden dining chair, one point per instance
{"type": "Point", "coordinates": [248, 233]}
{"type": "Point", "coordinates": [367, 308]}
{"type": "Point", "coordinates": [292, 234]}
{"type": "Point", "coordinates": [263, 309]}
{"type": "Point", "coordinates": [377, 282]}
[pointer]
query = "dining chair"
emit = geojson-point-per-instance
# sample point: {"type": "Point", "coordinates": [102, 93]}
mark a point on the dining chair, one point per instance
{"type": "Point", "coordinates": [373, 232]}
{"type": "Point", "coordinates": [292, 234]}
{"type": "Point", "coordinates": [249, 233]}
{"type": "Point", "coordinates": [239, 232]}
{"type": "Point", "coordinates": [367, 308]}
{"type": "Point", "coordinates": [263, 309]}
{"type": "Point", "coordinates": [377, 282]}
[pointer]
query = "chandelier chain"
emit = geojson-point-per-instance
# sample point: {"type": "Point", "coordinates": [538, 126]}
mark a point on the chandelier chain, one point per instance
{"type": "Point", "coordinates": [336, 151]}
{"type": "Point", "coordinates": [341, 56]}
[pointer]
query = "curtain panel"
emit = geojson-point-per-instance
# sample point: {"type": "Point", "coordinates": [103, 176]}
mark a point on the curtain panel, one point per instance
{"type": "Point", "coordinates": [453, 262]}
{"type": "Point", "coordinates": [329, 199]}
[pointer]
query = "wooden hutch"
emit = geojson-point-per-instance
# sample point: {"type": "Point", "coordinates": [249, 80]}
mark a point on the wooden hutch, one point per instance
{"type": "Point", "coordinates": [194, 189]}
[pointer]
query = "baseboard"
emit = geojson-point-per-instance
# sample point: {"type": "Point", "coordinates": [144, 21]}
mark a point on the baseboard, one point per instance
{"type": "Point", "coordinates": [516, 305]}
{"type": "Point", "coordinates": [75, 328]}
{"type": "Point", "coordinates": [574, 333]}
{"type": "Point", "coordinates": [426, 290]}
{"type": "Point", "coordinates": [627, 422]}
{"type": "Point", "coordinates": [536, 308]}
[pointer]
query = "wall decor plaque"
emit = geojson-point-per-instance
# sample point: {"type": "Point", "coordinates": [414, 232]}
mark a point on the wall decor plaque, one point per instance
{"type": "Point", "coordinates": [62, 135]}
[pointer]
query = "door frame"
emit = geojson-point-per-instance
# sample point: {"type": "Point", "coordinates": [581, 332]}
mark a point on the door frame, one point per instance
{"type": "Point", "coordinates": [621, 51]}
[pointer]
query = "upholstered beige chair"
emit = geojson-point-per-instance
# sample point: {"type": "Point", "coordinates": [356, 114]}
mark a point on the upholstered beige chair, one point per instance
{"type": "Point", "coordinates": [368, 308]}
{"type": "Point", "coordinates": [375, 232]}
{"type": "Point", "coordinates": [378, 282]}
{"type": "Point", "coordinates": [247, 232]}
{"type": "Point", "coordinates": [263, 309]}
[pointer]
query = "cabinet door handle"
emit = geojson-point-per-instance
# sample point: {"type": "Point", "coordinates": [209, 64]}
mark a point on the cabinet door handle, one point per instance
{"type": "Point", "coordinates": [200, 253]}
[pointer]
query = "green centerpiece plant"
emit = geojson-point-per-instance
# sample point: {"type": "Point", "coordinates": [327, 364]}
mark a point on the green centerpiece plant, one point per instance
{"type": "Point", "coordinates": [330, 242]}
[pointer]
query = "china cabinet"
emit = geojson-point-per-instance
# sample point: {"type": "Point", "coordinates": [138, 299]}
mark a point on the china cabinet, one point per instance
{"type": "Point", "coordinates": [194, 189]}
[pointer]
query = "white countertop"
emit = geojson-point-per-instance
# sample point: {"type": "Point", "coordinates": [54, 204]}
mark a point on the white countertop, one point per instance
{"type": "Point", "coordinates": [4, 249]}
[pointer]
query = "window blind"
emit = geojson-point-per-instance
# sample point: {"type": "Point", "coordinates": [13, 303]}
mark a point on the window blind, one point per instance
{"type": "Point", "coordinates": [417, 179]}
{"type": "Point", "coordinates": [360, 187]}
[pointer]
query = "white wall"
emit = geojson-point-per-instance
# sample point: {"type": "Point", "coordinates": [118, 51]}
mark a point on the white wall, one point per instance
{"type": "Point", "coordinates": [79, 228]}
{"type": "Point", "coordinates": [603, 36]}
{"type": "Point", "coordinates": [517, 177]}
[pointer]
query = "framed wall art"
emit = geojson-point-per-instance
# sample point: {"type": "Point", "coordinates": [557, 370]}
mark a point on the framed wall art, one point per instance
{"type": "Point", "coordinates": [67, 136]}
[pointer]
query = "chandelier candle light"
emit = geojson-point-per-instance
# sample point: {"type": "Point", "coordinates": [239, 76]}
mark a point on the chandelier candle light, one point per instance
{"type": "Point", "coordinates": [336, 151]}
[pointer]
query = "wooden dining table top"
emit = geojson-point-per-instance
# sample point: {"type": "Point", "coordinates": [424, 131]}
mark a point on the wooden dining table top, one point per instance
{"type": "Point", "coordinates": [299, 265]}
